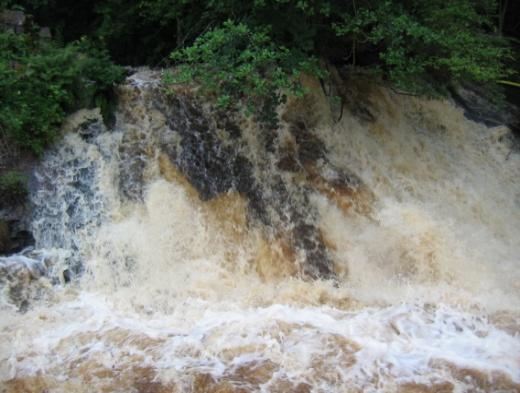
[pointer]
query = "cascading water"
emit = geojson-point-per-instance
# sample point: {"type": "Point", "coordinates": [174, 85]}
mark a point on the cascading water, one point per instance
{"type": "Point", "coordinates": [371, 250]}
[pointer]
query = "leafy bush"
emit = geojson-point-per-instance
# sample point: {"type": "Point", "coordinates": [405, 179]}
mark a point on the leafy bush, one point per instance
{"type": "Point", "coordinates": [426, 44]}
{"type": "Point", "coordinates": [420, 46]}
{"type": "Point", "coordinates": [40, 82]}
{"type": "Point", "coordinates": [243, 67]}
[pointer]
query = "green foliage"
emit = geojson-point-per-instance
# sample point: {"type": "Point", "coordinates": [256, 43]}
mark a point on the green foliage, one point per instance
{"type": "Point", "coordinates": [243, 67]}
{"type": "Point", "coordinates": [146, 31]}
{"type": "Point", "coordinates": [420, 46]}
{"type": "Point", "coordinates": [423, 46]}
{"type": "Point", "coordinates": [40, 82]}
{"type": "Point", "coordinates": [13, 187]}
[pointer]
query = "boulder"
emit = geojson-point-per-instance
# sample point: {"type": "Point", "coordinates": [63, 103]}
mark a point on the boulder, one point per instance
{"type": "Point", "coordinates": [20, 277]}
{"type": "Point", "coordinates": [478, 107]}
{"type": "Point", "coordinates": [88, 123]}
{"type": "Point", "coordinates": [15, 234]}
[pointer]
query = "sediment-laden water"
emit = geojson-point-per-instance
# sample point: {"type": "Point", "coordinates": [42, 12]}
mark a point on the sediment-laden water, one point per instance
{"type": "Point", "coordinates": [374, 248]}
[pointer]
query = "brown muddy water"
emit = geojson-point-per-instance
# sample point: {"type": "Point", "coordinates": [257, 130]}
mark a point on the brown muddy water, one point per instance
{"type": "Point", "coordinates": [373, 251]}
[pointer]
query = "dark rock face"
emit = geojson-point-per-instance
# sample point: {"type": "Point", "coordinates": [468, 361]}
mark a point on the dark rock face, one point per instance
{"type": "Point", "coordinates": [210, 166]}
{"type": "Point", "coordinates": [217, 155]}
{"type": "Point", "coordinates": [90, 128]}
{"type": "Point", "coordinates": [15, 209]}
{"type": "Point", "coordinates": [310, 148]}
{"type": "Point", "coordinates": [15, 232]}
{"type": "Point", "coordinates": [207, 152]}
{"type": "Point", "coordinates": [214, 167]}
{"type": "Point", "coordinates": [479, 108]}
{"type": "Point", "coordinates": [5, 238]}
{"type": "Point", "coordinates": [133, 163]}
{"type": "Point", "coordinates": [308, 240]}
{"type": "Point", "coordinates": [14, 235]}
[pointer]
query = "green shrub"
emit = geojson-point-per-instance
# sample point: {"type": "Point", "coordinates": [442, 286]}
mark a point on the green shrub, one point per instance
{"type": "Point", "coordinates": [41, 82]}
{"type": "Point", "coordinates": [243, 68]}
{"type": "Point", "coordinates": [420, 46]}
{"type": "Point", "coordinates": [424, 45]}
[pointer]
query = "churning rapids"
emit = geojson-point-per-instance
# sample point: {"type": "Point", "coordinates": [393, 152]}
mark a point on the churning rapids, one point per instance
{"type": "Point", "coordinates": [373, 248]}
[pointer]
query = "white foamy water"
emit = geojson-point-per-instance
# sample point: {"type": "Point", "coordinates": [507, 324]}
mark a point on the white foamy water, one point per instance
{"type": "Point", "coordinates": [175, 294]}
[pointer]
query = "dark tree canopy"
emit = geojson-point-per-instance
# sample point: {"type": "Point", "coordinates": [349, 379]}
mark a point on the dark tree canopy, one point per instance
{"type": "Point", "coordinates": [250, 53]}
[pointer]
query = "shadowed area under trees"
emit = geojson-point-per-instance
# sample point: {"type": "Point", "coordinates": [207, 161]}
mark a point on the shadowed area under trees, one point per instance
{"type": "Point", "coordinates": [249, 54]}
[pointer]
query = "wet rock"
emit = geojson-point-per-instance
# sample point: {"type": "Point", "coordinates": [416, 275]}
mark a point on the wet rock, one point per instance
{"type": "Point", "coordinates": [15, 232]}
{"type": "Point", "coordinates": [134, 158]}
{"type": "Point", "coordinates": [91, 128]}
{"type": "Point", "coordinates": [338, 178]}
{"type": "Point", "coordinates": [212, 166]}
{"type": "Point", "coordinates": [19, 274]}
{"type": "Point", "coordinates": [478, 107]}
{"type": "Point", "coordinates": [5, 240]}
{"type": "Point", "coordinates": [288, 163]}
{"type": "Point", "coordinates": [88, 123]}
{"type": "Point", "coordinates": [312, 155]}
{"type": "Point", "coordinates": [67, 275]}
{"type": "Point", "coordinates": [20, 237]}
{"type": "Point", "coordinates": [363, 113]}
{"type": "Point", "coordinates": [310, 147]}
{"type": "Point", "coordinates": [15, 210]}
{"type": "Point", "coordinates": [308, 240]}
{"type": "Point", "coordinates": [223, 122]}
{"type": "Point", "coordinates": [210, 150]}
{"type": "Point", "coordinates": [351, 89]}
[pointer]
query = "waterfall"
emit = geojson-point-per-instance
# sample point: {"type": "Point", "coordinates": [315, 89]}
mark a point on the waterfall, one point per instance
{"type": "Point", "coordinates": [373, 247]}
